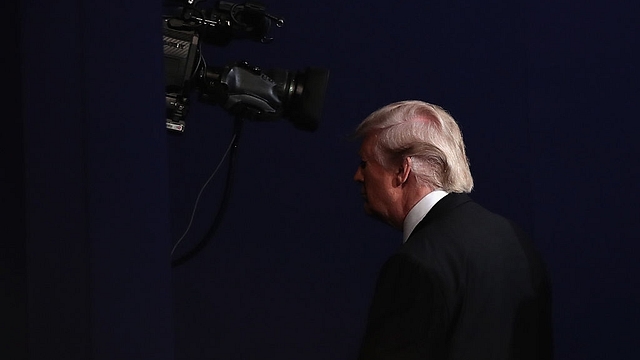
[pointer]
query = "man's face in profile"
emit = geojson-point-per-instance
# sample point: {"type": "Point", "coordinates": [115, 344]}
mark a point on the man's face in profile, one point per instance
{"type": "Point", "coordinates": [376, 182]}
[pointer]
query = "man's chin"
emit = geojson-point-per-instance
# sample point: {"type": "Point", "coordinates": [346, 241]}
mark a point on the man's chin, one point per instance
{"type": "Point", "coordinates": [377, 216]}
{"type": "Point", "coordinates": [369, 211]}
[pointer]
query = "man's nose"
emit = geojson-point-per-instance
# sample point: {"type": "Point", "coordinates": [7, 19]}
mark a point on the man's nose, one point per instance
{"type": "Point", "coordinates": [357, 177]}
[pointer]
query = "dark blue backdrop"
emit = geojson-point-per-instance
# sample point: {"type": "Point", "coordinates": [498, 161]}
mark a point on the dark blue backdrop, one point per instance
{"type": "Point", "coordinates": [544, 93]}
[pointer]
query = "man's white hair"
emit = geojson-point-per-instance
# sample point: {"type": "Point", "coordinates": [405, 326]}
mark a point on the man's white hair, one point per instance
{"type": "Point", "coordinates": [427, 134]}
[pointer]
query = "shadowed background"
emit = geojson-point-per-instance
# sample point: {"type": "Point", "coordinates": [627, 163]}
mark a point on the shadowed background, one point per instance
{"type": "Point", "coordinates": [99, 193]}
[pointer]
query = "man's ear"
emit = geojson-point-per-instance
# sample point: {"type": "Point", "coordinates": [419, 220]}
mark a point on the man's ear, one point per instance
{"type": "Point", "coordinates": [403, 171]}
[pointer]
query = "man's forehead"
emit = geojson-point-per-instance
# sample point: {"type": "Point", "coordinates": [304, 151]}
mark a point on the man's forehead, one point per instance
{"type": "Point", "coordinates": [367, 144]}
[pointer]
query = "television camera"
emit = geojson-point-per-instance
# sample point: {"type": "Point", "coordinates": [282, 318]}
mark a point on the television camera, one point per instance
{"type": "Point", "coordinates": [242, 89]}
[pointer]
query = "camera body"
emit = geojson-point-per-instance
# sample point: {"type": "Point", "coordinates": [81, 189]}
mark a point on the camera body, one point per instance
{"type": "Point", "coordinates": [242, 89]}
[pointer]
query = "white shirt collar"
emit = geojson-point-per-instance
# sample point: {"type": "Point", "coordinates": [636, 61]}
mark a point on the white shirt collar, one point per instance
{"type": "Point", "coordinates": [419, 210]}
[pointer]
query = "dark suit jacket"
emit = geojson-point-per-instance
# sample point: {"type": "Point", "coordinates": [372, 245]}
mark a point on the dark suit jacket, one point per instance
{"type": "Point", "coordinates": [466, 285]}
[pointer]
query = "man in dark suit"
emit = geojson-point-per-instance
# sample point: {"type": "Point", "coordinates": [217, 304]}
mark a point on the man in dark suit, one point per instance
{"type": "Point", "coordinates": [466, 283]}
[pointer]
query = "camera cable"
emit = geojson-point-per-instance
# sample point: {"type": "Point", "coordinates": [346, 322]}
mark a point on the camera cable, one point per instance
{"type": "Point", "coordinates": [232, 153]}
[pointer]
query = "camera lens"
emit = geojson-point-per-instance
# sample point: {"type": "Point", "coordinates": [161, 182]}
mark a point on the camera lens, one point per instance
{"type": "Point", "coordinates": [302, 94]}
